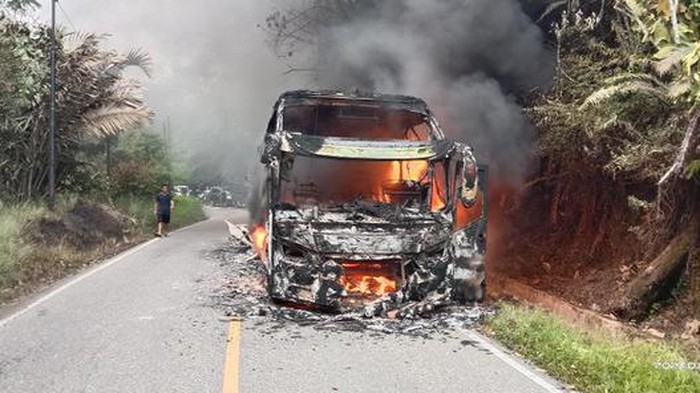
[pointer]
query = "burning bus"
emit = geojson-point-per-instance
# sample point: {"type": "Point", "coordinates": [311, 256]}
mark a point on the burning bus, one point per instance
{"type": "Point", "coordinates": [364, 201]}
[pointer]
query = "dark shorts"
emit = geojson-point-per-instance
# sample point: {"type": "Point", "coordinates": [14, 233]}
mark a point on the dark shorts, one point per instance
{"type": "Point", "coordinates": [164, 218]}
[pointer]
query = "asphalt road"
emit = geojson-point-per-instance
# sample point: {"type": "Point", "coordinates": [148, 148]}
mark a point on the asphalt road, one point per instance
{"type": "Point", "coordinates": [145, 321]}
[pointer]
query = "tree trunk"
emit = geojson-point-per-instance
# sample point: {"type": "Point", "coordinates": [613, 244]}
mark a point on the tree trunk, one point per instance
{"type": "Point", "coordinates": [685, 154]}
{"type": "Point", "coordinates": [694, 278]}
{"type": "Point", "coordinates": [694, 271]}
{"type": "Point", "coordinates": [662, 274]}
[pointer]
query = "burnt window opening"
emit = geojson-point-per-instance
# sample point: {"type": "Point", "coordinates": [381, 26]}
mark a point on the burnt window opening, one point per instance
{"type": "Point", "coordinates": [360, 121]}
{"type": "Point", "coordinates": [314, 181]}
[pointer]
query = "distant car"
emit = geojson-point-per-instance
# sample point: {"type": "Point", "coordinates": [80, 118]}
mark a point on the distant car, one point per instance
{"type": "Point", "coordinates": [204, 195]}
{"type": "Point", "coordinates": [182, 190]}
{"type": "Point", "coordinates": [228, 199]}
{"type": "Point", "coordinates": [218, 197]}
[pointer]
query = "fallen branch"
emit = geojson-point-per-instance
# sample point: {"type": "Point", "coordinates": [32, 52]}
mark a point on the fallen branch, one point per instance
{"type": "Point", "coordinates": [659, 276]}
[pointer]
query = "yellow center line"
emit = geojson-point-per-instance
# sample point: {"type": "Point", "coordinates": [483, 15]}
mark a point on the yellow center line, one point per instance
{"type": "Point", "coordinates": [231, 363]}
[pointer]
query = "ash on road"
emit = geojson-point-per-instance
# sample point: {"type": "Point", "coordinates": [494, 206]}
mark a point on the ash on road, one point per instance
{"type": "Point", "coordinates": [244, 296]}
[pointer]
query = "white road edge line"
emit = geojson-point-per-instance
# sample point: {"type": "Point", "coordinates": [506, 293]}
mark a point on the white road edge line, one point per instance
{"type": "Point", "coordinates": [508, 359]}
{"type": "Point", "coordinates": [81, 277]}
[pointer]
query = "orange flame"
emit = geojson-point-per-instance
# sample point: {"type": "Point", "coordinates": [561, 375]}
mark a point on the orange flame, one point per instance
{"type": "Point", "coordinates": [465, 215]}
{"type": "Point", "coordinates": [407, 170]}
{"type": "Point", "coordinates": [364, 284]}
{"type": "Point", "coordinates": [438, 189]}
{"type": "Point", "coordinates": [259, 237]}
{"type": "Point", "coordinates": [368, 279]}
{"type": "Point", "coordinates": [400, 171]}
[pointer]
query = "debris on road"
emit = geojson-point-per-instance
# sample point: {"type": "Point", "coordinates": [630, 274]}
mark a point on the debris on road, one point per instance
{"type": "Point", "coordinates": [244, 295]}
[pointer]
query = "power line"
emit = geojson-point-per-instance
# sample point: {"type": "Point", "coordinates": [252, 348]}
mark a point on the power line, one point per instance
{"type": "Point", "coordinates": [65, 14]}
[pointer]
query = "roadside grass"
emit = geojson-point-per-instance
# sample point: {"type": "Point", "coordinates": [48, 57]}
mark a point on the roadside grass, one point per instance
{"type": "Point", "coordinates": [25, 265]}
{"type": "Point", "coordinates": [14, 250]}
{"type": "Point", "coordinates": [188, 210]}
{"type": "Point", "coordinates": [140, 210]}
{"type": "Point", "coordinates": [593, 361]}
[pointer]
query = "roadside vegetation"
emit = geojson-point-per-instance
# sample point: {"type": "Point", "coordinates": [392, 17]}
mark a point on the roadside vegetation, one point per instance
{"type": "Point", "coordinates": [613, 200]}
{"type": "Point", "coordinates": [188, 210]}
{"type": "Point", "coordinates": [109, 164]}
{"type": "Point", "coordinates": [39, 246]}
{"type": "Point", "coordinates": [594, 361]}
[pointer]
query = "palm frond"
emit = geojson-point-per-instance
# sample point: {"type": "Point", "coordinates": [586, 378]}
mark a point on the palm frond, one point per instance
{"type": "Point", "coordinates": [112, 119]}
{"type": "Point", "coordinates": [141, 59]}
{"type": "Point", "coordinates": [616, 122]}
{"type": "Point", "coordinates": [633, 77]}
{"type": "Point", "coordinates": [76, 40]}
{"type": "Point", "coordinates": [126, 89]}
{"type": "Point", "coordinates": [624, 89]}
{"type": "Point", "coordinates": [679, 88]}
{"type": "Point", "coordinates": [553, 6]}
{"type": "Point", "coordinates": [671, 57]}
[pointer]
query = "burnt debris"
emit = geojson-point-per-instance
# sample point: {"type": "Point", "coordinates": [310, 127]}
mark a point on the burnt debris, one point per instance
{"type": "Point", "coordinates": [244, 296]}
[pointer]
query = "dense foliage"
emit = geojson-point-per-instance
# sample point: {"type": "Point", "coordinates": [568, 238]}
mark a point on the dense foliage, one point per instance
{"type": "Point", "coordinates": [140, 164]}
{"type": "Point", "coordinates": [618, 138]}
{"type": "Point", "coordinates": [94, 100]}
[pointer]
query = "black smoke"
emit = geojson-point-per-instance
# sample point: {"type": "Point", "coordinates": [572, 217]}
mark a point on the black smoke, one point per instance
{"type": "Point", "coordinates": [470, 59]}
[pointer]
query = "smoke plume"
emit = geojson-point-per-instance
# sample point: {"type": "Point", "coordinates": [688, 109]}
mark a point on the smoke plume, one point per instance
{"type": "Point", "coordinates": [469, 59]}
{"type": "Point", "coordinates": [214, 79]}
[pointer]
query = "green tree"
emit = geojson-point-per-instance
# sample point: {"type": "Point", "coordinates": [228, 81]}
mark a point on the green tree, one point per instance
{"type": "Point", "coordinates": [141, 164]}
{"type": "Point", "coordinates": [673, 30]}
{"type": "Point", "coordinates": [94, 100]}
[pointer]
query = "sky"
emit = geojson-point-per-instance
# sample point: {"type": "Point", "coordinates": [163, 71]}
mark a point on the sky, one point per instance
{"type": "Point", "coordinates": [213, 75]}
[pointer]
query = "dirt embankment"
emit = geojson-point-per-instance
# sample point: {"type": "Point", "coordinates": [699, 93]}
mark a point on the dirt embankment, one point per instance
{"type": "Point", "coordinates": [58, 244]}
{"type": "Point", "coordinates": [85, 226]}
{"type": "Point", "coordinates": [579, 237]}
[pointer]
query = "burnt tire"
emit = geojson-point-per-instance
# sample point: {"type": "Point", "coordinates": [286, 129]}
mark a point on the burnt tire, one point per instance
{"type": "Point", "coordinates": [475, 293]}
{"type": "Point", "coordinates": [469, 293]}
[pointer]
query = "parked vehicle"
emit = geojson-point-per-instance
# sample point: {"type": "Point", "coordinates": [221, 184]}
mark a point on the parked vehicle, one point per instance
{"type": "Point", "coordinates": [181, 190]}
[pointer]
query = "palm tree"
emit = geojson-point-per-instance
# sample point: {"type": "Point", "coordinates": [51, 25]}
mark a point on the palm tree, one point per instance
{"type": "Point", "coordinates": [94, 100]}
{"type": "Point", "coordinates": [105, 103]}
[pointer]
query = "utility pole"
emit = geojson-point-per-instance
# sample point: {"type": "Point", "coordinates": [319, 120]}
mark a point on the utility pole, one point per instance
{"type": "Point", "coordinates": [165, 136]}
{"type": "Point", "coordinates": [52, 115]}
{"type": "Point", "coordinates": [168, 135]}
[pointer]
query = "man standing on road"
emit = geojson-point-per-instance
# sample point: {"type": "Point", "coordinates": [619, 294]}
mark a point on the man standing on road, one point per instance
{"type": "Point", "coordinates": [162, 207]}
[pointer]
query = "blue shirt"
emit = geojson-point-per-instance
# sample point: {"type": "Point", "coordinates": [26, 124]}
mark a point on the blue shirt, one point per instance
{"type": "Point", "coordinates": [163, 200]}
